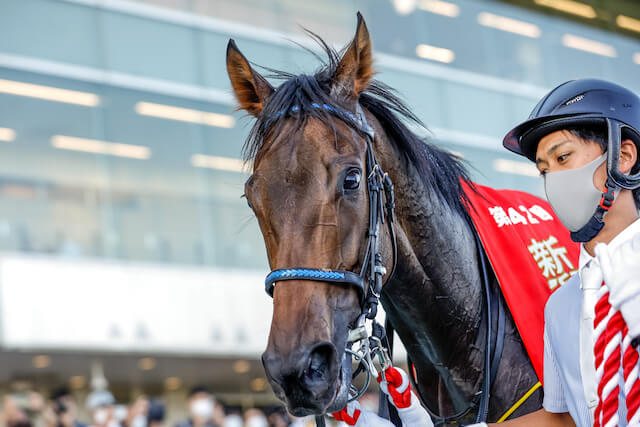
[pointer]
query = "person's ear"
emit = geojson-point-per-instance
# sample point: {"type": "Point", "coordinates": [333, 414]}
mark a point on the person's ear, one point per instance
{"type": "Point", "coordinates": [628, 155]}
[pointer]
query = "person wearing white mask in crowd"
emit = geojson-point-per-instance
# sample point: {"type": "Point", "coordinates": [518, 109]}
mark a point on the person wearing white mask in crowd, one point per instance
{"type": "Point", "coordinates": [201, 405]}
{"type": "Point", "coordinates": [233, 419]}
{"type": "Point", "coordinates": [255, 418]}
{"type": "Point", "coordinates": [137, 413]}
{"type": "Point", "coordinates": [100, 404]}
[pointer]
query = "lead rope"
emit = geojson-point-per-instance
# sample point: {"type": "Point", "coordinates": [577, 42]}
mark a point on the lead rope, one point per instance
{"type": "Point", "coordinates": [612, 351]}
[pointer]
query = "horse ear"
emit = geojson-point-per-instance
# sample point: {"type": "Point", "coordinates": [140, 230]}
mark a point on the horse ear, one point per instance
{"type": "Point", "coordinates": [355, 70]}
{"type": "Point", "coordinates": [250, 88]}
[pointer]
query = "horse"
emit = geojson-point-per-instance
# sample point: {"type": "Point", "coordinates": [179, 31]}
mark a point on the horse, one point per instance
{"type": "Point", "coordinates": [306, 189]}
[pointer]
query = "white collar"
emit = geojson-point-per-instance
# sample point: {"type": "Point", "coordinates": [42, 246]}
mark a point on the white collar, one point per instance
{"type": "Point", "coordinates": [619, 239]}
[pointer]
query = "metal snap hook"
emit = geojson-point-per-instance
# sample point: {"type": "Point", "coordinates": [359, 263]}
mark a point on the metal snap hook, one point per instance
{"type": "Point", "coordinates": [354, 392]}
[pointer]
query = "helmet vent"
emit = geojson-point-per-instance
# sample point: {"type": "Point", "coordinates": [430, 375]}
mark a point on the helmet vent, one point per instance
{"type": "Point", "coordinates": [575, 99]}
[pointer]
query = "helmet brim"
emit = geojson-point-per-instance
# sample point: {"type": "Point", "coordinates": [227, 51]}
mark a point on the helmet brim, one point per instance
{"type": "Point", "coordinates": [524, 138]}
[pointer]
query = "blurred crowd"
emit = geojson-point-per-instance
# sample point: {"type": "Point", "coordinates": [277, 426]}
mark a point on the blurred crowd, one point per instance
{"type": "Point", "coordinates": [61, 409]}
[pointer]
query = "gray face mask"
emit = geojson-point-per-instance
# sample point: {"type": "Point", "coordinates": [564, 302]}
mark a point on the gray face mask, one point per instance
{"type": "Point", "coordinates": [572, 194]}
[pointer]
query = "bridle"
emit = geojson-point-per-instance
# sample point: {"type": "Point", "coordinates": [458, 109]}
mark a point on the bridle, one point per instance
{"type": "Point", "coordinates": [368, 282]}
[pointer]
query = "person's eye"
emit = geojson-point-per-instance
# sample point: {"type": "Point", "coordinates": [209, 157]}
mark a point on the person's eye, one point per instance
{"type": "Point", "coordinates": [563, 157]}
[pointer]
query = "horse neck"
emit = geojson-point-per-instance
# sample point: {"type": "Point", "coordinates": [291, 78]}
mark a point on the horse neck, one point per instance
{"type": "Point", "coordinates": [434, 300]}
{"type": "Point", "coordinates": [437, 241]}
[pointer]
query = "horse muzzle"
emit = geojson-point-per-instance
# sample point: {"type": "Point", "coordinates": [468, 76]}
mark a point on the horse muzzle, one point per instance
{"type": "Point", "coordinates": [311, 382]}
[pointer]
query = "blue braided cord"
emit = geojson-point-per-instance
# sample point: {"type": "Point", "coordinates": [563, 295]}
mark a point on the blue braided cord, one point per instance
{"type": "Point", "coordinates": [351, 116]}
{"type": "Point", "coordinates": [303, 273]}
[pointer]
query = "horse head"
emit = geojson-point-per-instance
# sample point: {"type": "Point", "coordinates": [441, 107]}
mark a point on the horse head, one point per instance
{"type": "Point", "coordinates": [308, 190]}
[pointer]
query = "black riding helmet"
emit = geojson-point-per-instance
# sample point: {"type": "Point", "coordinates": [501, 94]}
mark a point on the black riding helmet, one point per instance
{"type": "Point", "coordinates": [583, 102]}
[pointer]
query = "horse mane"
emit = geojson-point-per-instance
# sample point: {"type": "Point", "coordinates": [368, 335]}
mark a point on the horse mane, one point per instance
{"type": "Point", "coordinates": [440, 170]}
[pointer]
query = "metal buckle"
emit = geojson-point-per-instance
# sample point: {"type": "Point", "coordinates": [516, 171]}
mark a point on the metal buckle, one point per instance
{"type": "Point", "coordinates": [357, 334]}
{"type": "Point", "coordinates": [382, 353]}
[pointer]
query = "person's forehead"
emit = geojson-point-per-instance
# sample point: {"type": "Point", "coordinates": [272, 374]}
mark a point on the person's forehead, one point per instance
{"type": "Point", "coordinates": [554, 138]}
{"type": "Point", "coordinates": [557, 135]}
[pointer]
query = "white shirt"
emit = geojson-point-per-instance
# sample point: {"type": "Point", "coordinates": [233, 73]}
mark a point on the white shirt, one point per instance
{"type": "Point", "coordinates": [569, 364]}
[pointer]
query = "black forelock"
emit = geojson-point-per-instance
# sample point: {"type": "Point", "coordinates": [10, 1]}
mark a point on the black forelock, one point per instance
{"type": "Point", "coordinates": [300, 91]}
{"type": "Point", "coordinates": [299, 95]}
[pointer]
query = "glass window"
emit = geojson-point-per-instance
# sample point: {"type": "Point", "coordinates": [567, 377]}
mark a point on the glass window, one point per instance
{"type": "Point", "coordinates": [150, 48]}
{"type": "Point", "coordinates": [52, 198]}
{"type": "Point", "coordinates": [52, 30]}
{"type": "Point", "coordinates": [112, 180]}
{"type": "Point", "coordinates": [475, 110]}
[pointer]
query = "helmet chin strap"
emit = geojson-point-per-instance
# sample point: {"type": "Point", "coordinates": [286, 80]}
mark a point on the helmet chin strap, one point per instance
{"type": "Point", "coordinates": [596, 222]}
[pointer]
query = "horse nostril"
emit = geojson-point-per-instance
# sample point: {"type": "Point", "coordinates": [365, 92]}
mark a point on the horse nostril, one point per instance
{"type": "Point", "coordinates": [317, 367]}
{"type": "Point", "coordinates": [319, 363]}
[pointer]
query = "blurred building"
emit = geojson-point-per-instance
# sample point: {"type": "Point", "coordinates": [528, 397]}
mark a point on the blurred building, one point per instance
{"type": "Point", "coordinates": [123, 233]}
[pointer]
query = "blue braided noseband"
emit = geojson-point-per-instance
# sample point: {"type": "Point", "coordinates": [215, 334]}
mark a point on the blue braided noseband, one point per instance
{"type": "Point", "coordinates": [314, 274]}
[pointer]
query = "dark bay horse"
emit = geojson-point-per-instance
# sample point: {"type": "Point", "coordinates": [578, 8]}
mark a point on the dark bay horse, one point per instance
{"type": "Point", "coordinates": [307, 191]}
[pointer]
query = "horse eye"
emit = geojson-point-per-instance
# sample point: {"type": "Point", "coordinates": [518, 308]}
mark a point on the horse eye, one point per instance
{"type": "Point", "coordinates": [351, 180]}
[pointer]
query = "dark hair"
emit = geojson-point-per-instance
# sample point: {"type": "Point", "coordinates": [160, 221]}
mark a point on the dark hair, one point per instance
{"type": "Point", "coordinates": [597, 135]}
{"type": "Point", "coordinates": [156, 410]}
{"type": "Point", "coordinates": [59, 392]}
{"type": "Point", "coordinates": [199, 389]}
{"type": "Point", "coordinates": [233, 410]}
